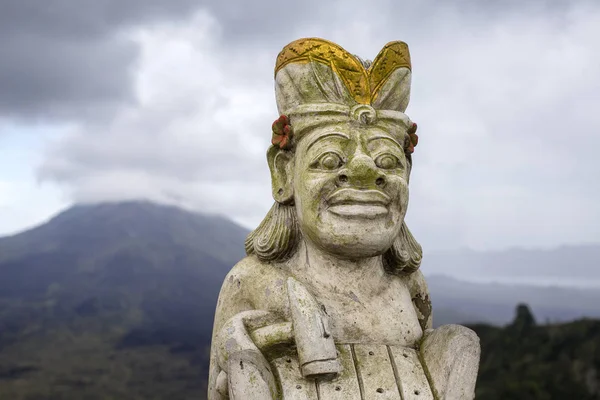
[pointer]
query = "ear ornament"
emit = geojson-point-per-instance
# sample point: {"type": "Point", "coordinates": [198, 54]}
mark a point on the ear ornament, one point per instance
{"type": "Point", "coordinates": [282, 133]}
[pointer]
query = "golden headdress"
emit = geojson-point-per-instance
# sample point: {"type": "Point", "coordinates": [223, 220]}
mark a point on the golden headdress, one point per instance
{"type": "Point", "coordinates": [320, 80]}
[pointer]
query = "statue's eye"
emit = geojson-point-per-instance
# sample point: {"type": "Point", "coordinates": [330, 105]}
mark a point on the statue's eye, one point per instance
{"type": "Point", "coordinates": [330, 161]}
{"type": "Point", "coordinates": [387, 161]}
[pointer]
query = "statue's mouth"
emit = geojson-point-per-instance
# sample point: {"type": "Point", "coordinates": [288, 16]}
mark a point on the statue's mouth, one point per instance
{"type": "Point", "coordinates": [358, 203]}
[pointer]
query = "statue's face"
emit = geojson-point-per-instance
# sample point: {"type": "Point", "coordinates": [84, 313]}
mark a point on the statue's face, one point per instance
{"type": "Point", "coordinates": [350, 189]}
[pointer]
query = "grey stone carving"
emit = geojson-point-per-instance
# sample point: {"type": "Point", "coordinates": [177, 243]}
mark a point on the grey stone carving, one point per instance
{"type": "Point", "coordinates": [330, 302]}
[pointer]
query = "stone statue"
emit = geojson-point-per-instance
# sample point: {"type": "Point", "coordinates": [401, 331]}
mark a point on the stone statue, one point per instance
{"type": "Point", "coordinates": [330, 303]}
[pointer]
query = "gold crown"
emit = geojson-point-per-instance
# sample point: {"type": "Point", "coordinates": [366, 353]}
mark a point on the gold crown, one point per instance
{"type": "Point", "coordinates": [362, 83]}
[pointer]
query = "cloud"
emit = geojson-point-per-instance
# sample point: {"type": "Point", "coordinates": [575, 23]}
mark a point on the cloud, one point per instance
{"type": "Point", "coordinates": [62, 60]}
{"type": "Point", "coordinates": [505, 98]}
{"type": "Point", "coordinates": [195, 134]}
{"type": "Point", "coordinates": [515, 131]}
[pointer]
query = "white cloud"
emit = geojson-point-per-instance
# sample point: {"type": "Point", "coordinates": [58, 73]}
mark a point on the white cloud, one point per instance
{"type": "Point", "coordinates": [197, 136]}
{"type": "Point", "coordinates": [507, 131]}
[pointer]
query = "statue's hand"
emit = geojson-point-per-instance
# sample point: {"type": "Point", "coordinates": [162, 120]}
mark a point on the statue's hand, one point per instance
{"type": "Point", "coordinates": [245, 339]}
{"type": "Point", "coordinates": [245, 372]}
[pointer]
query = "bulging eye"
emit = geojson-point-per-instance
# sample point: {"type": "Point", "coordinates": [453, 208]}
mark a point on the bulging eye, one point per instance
{"type": "Point", "coordinates": [330, 161]}
{"type": "Point", "coordinates": [387, 161]}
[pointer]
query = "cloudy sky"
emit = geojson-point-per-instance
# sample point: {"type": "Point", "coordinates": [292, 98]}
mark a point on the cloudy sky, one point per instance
{"type": "Point", "coordinates": [173, 100]}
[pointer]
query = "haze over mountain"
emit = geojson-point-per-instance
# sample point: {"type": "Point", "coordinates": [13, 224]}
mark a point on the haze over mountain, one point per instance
{"type": "Point", "coordinates": [105, 298]}
{"type": "Point", "coordinates": [573, 265]}
{"type": "Point", "coordinates": [459, 301]}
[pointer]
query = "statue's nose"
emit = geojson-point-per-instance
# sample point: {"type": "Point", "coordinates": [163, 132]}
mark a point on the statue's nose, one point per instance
{"type": "Point", "coordinates": [361, 173]}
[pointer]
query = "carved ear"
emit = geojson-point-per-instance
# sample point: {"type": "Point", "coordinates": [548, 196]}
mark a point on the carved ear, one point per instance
{"type": "Point", "coordinates": [281, 166]}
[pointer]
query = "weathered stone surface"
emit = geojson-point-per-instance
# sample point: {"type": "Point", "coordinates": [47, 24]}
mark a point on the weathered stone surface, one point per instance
{"type": "Point", "coordinates": [410, 374]}
{"type": "Point", "coordinates": [330, 303]}
{"type": "Point", "coordinates": [450, 352]}
{"type": "Point", "coordinates": [375, 372]}
{"type": "Point", "coordinates": [346, 385]}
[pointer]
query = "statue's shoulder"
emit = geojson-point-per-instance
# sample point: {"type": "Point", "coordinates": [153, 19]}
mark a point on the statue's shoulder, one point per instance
{"type": "Point", "coordinates": [257, 283]}
{"type": "Point", "coordinates": [250, 270]}
{"type": "Point", "coordinates": [244, 269]}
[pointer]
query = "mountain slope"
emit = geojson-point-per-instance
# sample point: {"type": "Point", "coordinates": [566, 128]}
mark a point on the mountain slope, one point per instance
{"type": "Point", "coordinates": [104, 299]}
{"type": "Point", "coordinates": [87, 230]}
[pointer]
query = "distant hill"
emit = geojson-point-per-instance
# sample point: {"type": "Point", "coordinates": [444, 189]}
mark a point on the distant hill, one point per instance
{"type": "Point", "coordinates": [116, 300]}
{"type": "Point", "coordinates": [459, 301]}
{"type": "Point", "coordinates": [92, 230]}
{"type": "Point", "coordinates": [112, 301]}
{"type": "Point", "coordinates": [559, 285]}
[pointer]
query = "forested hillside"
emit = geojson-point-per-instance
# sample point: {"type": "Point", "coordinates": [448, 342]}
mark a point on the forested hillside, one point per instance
{"type": "Point", "coordinates": [528, 361]}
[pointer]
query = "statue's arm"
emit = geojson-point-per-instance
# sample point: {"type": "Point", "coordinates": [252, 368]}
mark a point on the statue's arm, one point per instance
{"type": "Point", "coordinates": [232, 301]}
{"type": "Point", "coordinates": [251, 298]}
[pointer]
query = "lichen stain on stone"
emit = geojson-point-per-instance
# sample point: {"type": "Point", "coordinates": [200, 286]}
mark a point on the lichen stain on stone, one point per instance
{"type": "Point", "coordinates": [353, 331]}
{"type": "Point", "coordinates": [423, 306]}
